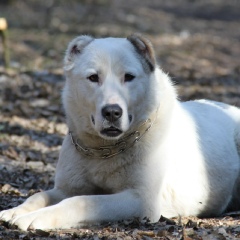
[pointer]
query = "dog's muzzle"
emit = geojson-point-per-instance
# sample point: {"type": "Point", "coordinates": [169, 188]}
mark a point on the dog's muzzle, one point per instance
{"type": "Point", "coordinates": [112, 113]}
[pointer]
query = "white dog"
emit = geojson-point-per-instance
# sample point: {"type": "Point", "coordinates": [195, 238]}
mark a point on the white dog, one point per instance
{"type": "Point", "coordinates": [134, 150]}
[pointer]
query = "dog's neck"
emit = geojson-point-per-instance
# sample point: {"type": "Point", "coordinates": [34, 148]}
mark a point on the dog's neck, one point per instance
{"type": "Point", "coordinates": [112, 148]}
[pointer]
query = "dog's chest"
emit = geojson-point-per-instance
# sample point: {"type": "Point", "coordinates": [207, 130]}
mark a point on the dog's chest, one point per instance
{"type": "Point", "coordinates": [110, 176]}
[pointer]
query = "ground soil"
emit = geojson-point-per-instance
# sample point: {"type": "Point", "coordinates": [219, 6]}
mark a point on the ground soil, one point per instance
{"type": "Point", "coordinates": [196, 42]}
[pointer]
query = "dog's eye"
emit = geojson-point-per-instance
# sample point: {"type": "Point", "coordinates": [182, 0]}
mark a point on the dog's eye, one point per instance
{"type": "Point", "coordinates": [93, 78]}
{"type": "Point", "coordinates": [129, 77]}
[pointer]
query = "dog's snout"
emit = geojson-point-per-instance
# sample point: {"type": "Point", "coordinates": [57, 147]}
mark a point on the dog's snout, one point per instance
{"type": "Point", "coordinates": [112, 112]}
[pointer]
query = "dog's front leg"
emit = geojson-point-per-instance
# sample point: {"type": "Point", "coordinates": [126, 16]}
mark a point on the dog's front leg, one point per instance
{"type": "Point", "coordinates": [35, 202]}
{"type": "Point", "coordinates": [79, 210]}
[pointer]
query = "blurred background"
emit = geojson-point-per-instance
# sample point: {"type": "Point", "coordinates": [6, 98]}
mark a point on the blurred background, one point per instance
{"type": "Point", "coordinates": [196, 41]}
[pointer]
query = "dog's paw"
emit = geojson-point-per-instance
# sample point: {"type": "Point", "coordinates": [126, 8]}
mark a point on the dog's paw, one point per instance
{"type": "Point", "coordinates": [6, 215]}
{"type": "Point", "coordinates": [9, 214]}
{"type": "Point", "coordinates": [23, 222]}
{"type": "Point", "coordinates": [31, 221]}
{"type": "Point", "coordinates": [44, 219]}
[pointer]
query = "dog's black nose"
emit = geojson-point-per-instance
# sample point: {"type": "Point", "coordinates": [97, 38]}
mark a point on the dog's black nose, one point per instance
{"type": "Point", "coordinates": [112, 112]}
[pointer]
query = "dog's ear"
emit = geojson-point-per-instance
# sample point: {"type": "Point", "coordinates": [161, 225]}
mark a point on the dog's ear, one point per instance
{"type": "Point", "coordinates": [74, 48]}
{"type": "Point", "coordinates": [144, 47]}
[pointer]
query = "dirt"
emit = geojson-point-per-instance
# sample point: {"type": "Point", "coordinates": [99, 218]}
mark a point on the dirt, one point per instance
{"type": "Point", "coordinates": [196, 42]}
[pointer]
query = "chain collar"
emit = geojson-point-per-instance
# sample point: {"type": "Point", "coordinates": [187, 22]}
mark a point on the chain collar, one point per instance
{"type": "Point", "coordinates": [119, 147]}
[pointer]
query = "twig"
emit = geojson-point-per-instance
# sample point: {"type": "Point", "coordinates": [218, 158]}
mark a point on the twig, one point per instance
{"type": "Point", "coordinates": [4, 36]}
{"type": "Point", "coordinates": [236, 213]}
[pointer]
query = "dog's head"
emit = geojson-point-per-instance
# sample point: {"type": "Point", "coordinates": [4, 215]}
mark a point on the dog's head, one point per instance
{"type": "Point", "coordinates": [108, 86]}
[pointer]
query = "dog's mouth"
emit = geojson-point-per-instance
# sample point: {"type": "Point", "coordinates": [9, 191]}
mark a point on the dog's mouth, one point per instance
{"type": "Point", "coordinates": [111, 132]}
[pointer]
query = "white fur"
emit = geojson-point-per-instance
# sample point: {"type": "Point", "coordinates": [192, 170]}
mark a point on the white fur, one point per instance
{"type": "Point", "coordinates": [187, 164]}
